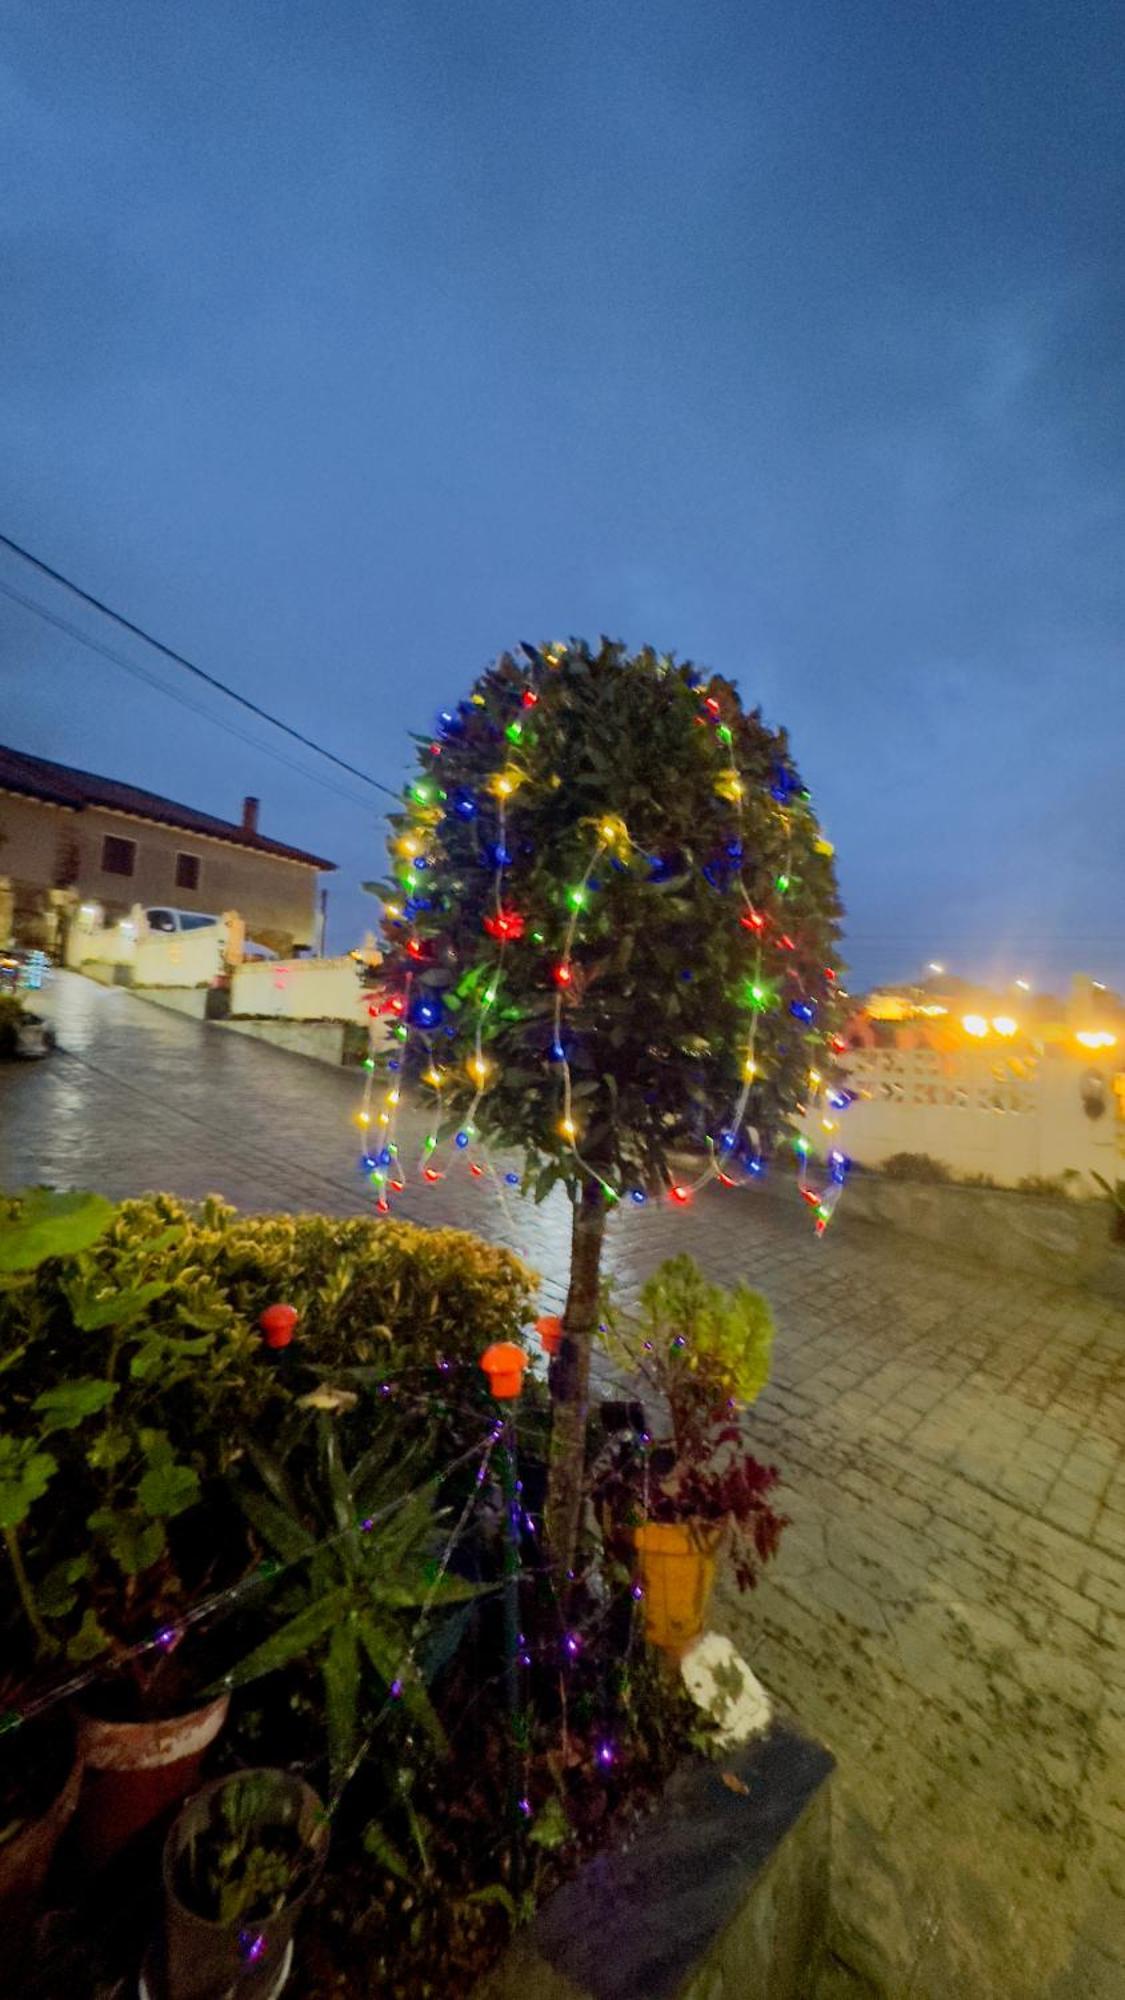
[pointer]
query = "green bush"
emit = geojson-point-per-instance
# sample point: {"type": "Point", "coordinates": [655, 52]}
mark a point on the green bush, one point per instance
{"type": "Point", "coordinates": [133, 1381]}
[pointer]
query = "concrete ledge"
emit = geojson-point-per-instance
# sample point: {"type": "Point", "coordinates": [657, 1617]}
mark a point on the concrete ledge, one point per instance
{"type": "Point", "coordinates": [1064, 1242]}
{"type": "Point", "coordinates": [322, 1040]}
{"type": "Point", "coordinates": [191, 1000]}
{"type": "Point", "coordinates": [723, 1895]}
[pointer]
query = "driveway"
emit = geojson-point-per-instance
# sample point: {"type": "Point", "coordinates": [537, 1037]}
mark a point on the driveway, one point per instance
{"type": "Point", "coordinates": [948, 1611]}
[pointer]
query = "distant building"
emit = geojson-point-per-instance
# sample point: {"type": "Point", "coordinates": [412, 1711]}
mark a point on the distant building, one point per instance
{"type": "Point", "coordinates": [956, 1015]}
{"type": "Point", "coordinates": [68, 838]}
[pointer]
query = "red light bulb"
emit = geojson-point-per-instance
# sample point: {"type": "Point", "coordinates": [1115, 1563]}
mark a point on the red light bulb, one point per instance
{"type": "Point", "coordinates": [563, 973]}
{"type": "Point", "coordinates": [680, 1194]}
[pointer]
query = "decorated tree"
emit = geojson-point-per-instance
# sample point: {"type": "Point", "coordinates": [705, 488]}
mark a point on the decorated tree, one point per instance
{"type": "Point", "coordinates": [610, 945]}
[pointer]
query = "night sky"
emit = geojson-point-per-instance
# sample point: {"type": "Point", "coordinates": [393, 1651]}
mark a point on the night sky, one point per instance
{"type": "Point", "coordinates": [345, 344]}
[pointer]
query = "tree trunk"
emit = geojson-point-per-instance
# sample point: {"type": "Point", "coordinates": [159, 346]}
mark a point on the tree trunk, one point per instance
{"type": "Point", "coordinates": [570, 1376]}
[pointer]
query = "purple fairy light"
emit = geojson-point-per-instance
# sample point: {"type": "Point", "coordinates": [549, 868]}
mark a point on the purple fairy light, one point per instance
{"type": "Point", "coordinates": [605, 1754]}
{"type": "Point", "coordinates": [251, 1945]}
{"type": "Point", "coordinates": [166, 1638]}
{"type": "Point", "coordinates": [366, 1526]}
{"type": "Point", "coordinates": [525, 1807]}
{"type": "Point", "coordinates": [573, 1644]}
{"type": "Point", "coordinates": [396, 1690]}
{"type": "Point", "coordinates": [638, 1592]}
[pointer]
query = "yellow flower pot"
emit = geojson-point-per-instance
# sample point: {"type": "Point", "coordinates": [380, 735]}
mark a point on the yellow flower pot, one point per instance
{"type": "Point", "coordinates": [677, 1568]}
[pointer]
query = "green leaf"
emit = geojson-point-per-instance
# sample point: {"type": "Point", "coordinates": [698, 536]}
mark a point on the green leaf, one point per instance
{"type": "Point", "coordinates": [134, 1544]}
{"type": "Point", "coordinates": [157, 1350]}
{"type": "Point", "coordinates": [107, 1451]}
{"type": "Point", "coordinates": [495, 1892]}
{"type": "Point", "coordinates": [70, 1403]}
{"type": "Point", "coordinates": [93, 1311]}
{"type": "Point", "coordinates": [382, 1849]}
{"type": "Point", "coordinates": [52, 1225]}
{"type": "Point", "coordinates": [25, 1474]}
{"type": "Point", "coordinates": [89, 1642]}
{"type": "Point", "coordinates": [551, 1827]}
{"type": "Point", "coordinates": [340, 1672]}
{"type": "Point", "coordinates": [275, 1525]}
{"type": "Point", "coordinates": [167, 1489]}
{"type": "Point", "coordinates": [290, 1641]}
{"type": "Point", "coordinates": [450, 1590]}
{"type": "Point", "coordinates": [387, 1652]}
{"type": "Point", "coordinates": [56, 1595]}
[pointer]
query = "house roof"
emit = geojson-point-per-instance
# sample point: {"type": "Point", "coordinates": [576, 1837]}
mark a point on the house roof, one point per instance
{"type": "Point", "coordinates": [62, 785]}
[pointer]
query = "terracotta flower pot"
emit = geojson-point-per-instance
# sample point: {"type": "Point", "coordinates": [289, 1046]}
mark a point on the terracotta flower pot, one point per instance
{"type": "Point", "coordinates": [677, 1566]}
{"type": "Point", "coordinates": [135, 1770]}
{"type": "Point", "coordinates": [26, 1859]}
{"type": "Point", "coordinates": [244, 1958]}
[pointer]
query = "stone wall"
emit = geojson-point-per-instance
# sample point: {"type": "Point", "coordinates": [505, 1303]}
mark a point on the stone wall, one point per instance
{"type": "Point", "coordinates": [721, 1895]}
{"type": "Point", "coordinates": [1064, 1242]}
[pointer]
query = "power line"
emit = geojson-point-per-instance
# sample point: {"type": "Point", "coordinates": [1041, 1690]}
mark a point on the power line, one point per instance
{"type": "Point", "coordinates": [180, 660]}
{"type": "Point", "coordinates": [151, 680]}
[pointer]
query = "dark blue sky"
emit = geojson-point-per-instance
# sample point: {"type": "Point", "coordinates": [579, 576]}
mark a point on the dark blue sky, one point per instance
{"type": "Point", "coordinates": [345, 344]}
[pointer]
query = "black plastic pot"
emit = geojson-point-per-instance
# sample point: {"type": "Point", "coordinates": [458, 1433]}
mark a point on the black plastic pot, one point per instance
{"type": "Point", "coordinates": [247, 1958]}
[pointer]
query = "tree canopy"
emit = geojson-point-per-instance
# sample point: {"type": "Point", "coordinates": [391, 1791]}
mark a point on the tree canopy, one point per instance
{"type": "Point", "coordinates": [611, 932]}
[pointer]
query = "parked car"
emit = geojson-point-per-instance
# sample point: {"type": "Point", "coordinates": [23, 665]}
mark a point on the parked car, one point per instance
{"type": "Point", "coordinates": [172, 921]}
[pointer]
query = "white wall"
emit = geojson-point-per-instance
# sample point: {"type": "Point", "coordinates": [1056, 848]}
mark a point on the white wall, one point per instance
{"type": "Point", "coordinates": [299, 989]}
{"type": "Point", "coordinates": [979, 1114]}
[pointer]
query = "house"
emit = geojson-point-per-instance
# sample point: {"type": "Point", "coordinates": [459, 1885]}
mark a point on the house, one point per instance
{"type": "Point", "coordinates": [68, 838]}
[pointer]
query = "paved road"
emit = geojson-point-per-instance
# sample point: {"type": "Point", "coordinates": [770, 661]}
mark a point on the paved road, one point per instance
{"type": "Point", "coordinates": [948, 1611]}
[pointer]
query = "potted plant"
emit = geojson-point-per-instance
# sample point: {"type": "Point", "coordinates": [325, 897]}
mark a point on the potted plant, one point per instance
{"type": "Point", "coordinates": [109, 1533]}
{"type": "Point", "coordinates": [40, 1775]}
{"type": "Point", "coordinates": [691, 1485]}
{"type": "Point", "coordinates": [363, 1572]}
{"type": "Point", "coordinates": [22, 1033]}
{"type": "Point", "coordinates": [240, 1861]}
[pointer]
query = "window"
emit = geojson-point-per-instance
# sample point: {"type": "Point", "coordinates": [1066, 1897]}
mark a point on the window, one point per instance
{"type": "Point", "coordinates": [194, 920]}
{"type": "Point", "coordinates": [118, 856]}
{"type": "Point", "coordinates": [187, 871]}
{"type": "Point", "coordinates": [160, 920]}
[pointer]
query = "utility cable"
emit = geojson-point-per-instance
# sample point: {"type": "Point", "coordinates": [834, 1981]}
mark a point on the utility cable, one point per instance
{"type": "Point", "coordinates": [174, 694]}
{"type": "Point", "coordinates": [180, 660]}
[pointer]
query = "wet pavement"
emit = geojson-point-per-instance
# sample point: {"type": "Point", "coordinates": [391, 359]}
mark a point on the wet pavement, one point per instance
{"type": "Point", "coordinates": [948, 1610]}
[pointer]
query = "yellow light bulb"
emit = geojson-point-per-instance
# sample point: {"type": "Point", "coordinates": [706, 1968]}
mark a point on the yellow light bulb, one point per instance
{"type": "Point", "coordinates": [363, 1117]}
{"type": "Point", "coordinates": [433, 1076]}
{"type": "Point", "coordinates": [392, 1097]}
{"type": "Point", "coordinates": [409, 845]}
{"type": "Point", "coordinates": [384, 1118]}
{"type": "Point", "coordinates": [749, 1070]}
{"type": "Point", "coordinates": [613, 830]}
{"type": "Point", "coordinates": [503, 783]}
{"type": "Point", "coordinates": [814, 1076]}
{"type": "Point", "coordinates": [729, 785]}
{"type": "Point", "coordinates": [478, 1068]}
{"type": "Point", "coordinates": [567, 1128]}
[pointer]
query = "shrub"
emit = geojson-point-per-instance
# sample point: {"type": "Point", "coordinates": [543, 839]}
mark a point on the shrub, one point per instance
{"type": "Point", "coordinates": [915, 1167]}
{"type": "Point", "coordinates": [135, 1379]}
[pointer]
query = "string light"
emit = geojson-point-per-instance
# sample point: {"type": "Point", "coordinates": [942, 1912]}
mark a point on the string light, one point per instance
{"type": "Point", "coordinates": [504, 925]}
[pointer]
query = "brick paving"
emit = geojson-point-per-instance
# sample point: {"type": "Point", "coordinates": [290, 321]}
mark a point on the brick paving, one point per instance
{"type": "Point", "coordinates": [948, 1611]}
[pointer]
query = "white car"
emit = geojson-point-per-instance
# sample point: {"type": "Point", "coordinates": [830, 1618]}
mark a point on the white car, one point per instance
{"type": "Point", "coordinates": [172, 921]}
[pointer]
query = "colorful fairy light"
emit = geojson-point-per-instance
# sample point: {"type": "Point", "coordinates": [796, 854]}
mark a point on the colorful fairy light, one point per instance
{"type": "Point", "coordinates": [421, 845]}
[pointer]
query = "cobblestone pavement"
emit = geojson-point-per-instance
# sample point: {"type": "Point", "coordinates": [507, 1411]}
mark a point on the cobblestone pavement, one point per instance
{"type": "Point", "coordinates": [948, 1611]}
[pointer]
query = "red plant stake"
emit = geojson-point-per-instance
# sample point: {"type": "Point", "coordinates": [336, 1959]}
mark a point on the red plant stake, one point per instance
{"type": "Point", "coordinates": [278, 1323]}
